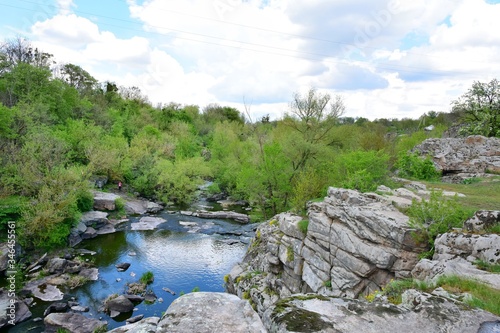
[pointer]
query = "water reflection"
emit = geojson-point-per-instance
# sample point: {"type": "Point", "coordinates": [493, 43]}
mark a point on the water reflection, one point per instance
{"type": "Point", "coordinates": [179, 261]}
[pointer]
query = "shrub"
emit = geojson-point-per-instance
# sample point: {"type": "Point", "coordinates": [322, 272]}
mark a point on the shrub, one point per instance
{"type": "Point", "coordinates": [147, 277]}
{"type": "Point", "coordinates": [120, 205]}
{"type": "Point", "coordinates": [360, 170]}
{"type": "Point", "coordinates": [436, 216]}
{"type": "Point", "coordinates": [10, 209]}
{"type": "Point", "coordinates": [84, 201]}
{"type": "Point", "coordinates": [195, 289]}
{"type": "Point", "coordinates": [413, 166]}
{"type": "Point", "coordinates": [303, 225]}
{"type": "Point", "coordinates": [290, 256]}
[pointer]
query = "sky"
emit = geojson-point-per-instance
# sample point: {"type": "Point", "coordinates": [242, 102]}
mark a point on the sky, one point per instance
{"type": "Point", "coordinates": [386, 58]}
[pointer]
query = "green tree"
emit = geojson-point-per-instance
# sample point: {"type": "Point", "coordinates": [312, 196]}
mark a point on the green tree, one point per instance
{"type": "Point", "coordinates": [481, 107]}
{"type": "Point", "coordinates": [313, 116]}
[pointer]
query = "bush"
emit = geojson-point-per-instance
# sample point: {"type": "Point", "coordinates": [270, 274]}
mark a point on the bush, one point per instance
{"type": "Point", "coordinates": [413, 166]}
{"type": "Point", "coordinates": [85, 201]}
{"type": "Point", "coordinates": [360, 170]}
{"type": "Point", "coordinates": [436, 216]}
{"type": "Point", "coordinates": [303, 225]}
{"type": "Point", "coordinates": [10, 209]}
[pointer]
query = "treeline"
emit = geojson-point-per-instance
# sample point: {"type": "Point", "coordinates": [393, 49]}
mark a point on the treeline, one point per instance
{"type": "Point", "coordinates": [60, 127]}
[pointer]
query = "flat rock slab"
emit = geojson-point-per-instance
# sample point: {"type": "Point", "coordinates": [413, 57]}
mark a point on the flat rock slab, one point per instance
{"type": "Point", "coordinates": [94, 217]}
{"type": "Point", "coordinates": [140, 207]}
{"type": "Point", "coordinates": [147, 223]}
{"type": "Point", "coordinates": [72, 322]}
{"type": "Point", "coordinates": [205, 312]}
{"type": "Point", "coordinates": [422, 313]}
{"type": "Point", "coordinates": [145, 325]}
{"type": "Point", "coordinates": [44, 291]}
{"type": "Point", "coordinates": [238, 217]}
{"type": "Point", "coordinates": [105, 201]}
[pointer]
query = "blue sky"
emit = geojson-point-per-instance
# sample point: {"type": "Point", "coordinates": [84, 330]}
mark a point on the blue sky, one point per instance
{"type": "Point", "coordinates": [387, 58]}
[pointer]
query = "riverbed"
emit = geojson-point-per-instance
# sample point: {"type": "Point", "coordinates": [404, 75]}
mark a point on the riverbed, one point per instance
{"type": "Point", "coordinates": [182, 256]}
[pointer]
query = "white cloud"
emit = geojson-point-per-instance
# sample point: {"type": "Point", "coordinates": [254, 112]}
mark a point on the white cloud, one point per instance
{"type": "Point", "coordinates": [261, 51]}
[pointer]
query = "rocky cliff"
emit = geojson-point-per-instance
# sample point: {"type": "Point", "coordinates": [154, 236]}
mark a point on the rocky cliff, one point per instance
{"type": "Point", "coordinates": [354, 244]}
{"type": "Point", "coordinates": [305, 276]}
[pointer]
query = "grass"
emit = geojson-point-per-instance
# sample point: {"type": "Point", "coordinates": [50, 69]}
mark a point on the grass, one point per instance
{"type": "Point", "coordinates": [483, 296]}
{"type": "Point", "coordinates": [195, 289]}
{"type": "Point", "coordinates": [289, 254]}
{"type": "Point", "coordinates": [486, 266]}
{"type": "Point", "coordinates": [147, 278]}
{"type": "Point", "coordinates": [482, 195]}
{"type": "Point", "coordinates": [303, 225]}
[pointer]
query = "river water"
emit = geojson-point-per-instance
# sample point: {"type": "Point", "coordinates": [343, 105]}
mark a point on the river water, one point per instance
{"type": "Point", "coordinates": [181, 258]}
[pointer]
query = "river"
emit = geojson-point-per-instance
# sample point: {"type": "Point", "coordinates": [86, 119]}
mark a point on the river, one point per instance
{"type": "Point", "coordinates": [181, 258]}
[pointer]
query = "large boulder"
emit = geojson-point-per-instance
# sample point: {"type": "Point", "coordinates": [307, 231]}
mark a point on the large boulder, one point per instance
{"type": "Point", "coordinates": [94, 219]}
{"type": "Point", "coordinates": [72, 322]}
{"type": "Point", "coordinates": [460, 158]}
{"type": "Point", "coordinates": [120, 304]}
{"type": "Point", "coordinates": [204, 312]}
{"type": "Point", "coordinates": [105, 201]}
{"type": "Point", "coordinates": [455, 254]}
{"type": "Point", "coordinates": [419, 312]}
{"type": "Point", "coordinates": [12, 310]}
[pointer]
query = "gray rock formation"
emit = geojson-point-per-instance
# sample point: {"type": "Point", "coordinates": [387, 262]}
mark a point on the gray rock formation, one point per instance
{"type": "Point", "coordinates": [147, 325]}
{"type": "Point", "coordinates": [210, 312]}
{"type": "Point", "coordinates": [104, 201]}
{"type": "Point", "coordinates": [482, 219]}
{"type": "Point", "coordinates": [44, 291]}
{"type": "Point", "coordinates": [455, 254]}
{"type": "Point", "coordinates": [91, 224]}
{"type": "Point", "coordinates": [140, 207]}
{"type": "Point", "coordinates": [419, 312]}
{"type": "Point", "coordinates": [72, 322]}
{"type": "Point", "coordinates": [120, 304]}
{"type": "Point", "coordinates": [461, 158]}
{"type": "Point", "coordinates": [14, 311]}
{"type": "Point", "coordinates": [355, 244]}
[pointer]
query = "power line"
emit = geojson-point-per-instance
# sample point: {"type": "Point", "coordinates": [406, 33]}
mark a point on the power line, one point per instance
{"type": "Point", "coordinates": [315, 56]}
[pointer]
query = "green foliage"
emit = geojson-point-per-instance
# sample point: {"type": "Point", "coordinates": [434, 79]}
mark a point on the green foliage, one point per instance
{"type": "Point", "coordinates": [147, 278]}
{"type": "Point", "coordinates": [360, 170]}
{"type": "Point", "coordinates": [120, 205]}
{"type": "Point", "coordinates": [394, 289]}
{"type": "Point", "coordinates": [472, 180]}
{"type": "Point", "coordinates": [84, 200]}
{"type": "Point", "coordinates": [303, 225]}
{"type": "Point", "coordinates": [195, 289]}
{"type": "Point", "coordinates": [47, 220]}
{"type": "Point", "coordinates": [481, 108]}
{"type": "Point", "coordinates": [484, 296]}
{"type": "Point", "coordinates": [10, 209]}
{"type": "Point", "coordinates": [328, 284]}
{"type": "Point", "coordinates": [486, 266]}
{"type": "Point", "coordinates": [290, 255]}
{"type": "Point", "coordinates": [436, 216]}
{"type": "Point", "coordinates": [413, 166]}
